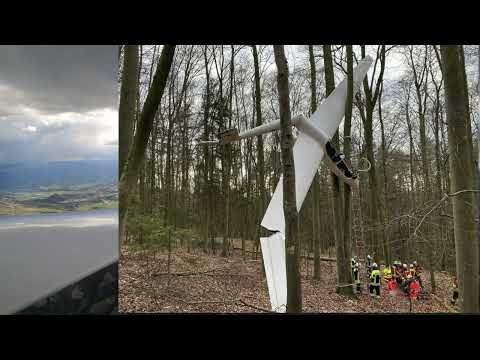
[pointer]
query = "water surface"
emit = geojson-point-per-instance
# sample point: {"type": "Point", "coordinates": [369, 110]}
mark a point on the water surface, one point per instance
{"type": "Point", "coordinates": [40, 254]}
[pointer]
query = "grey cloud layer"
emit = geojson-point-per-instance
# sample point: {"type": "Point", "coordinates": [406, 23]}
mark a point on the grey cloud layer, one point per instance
{"type": "Point", "coordinates": [56, 79]}
{"type": "Point", "coordinates": [50, 102]}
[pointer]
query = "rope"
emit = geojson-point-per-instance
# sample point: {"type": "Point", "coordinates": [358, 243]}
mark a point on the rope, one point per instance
{"type": "Point", "coordinates": [369, 166]}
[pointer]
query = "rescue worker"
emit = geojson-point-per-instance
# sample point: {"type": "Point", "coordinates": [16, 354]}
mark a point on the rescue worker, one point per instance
{"type": "Point", "coordinates": [404, 274]}
{"type": "Point", "coordinates": [369, 264]}
{"type": "Point", "coordinates": [387, 273]}
{"type": "Point", "coordinates": [414, 289]}
{"type": "Point", "coordinates": [356, 274]}
{"type": "Point", "coordinates": [408, 279]}
{"type": "Point", "coordinates": [418, 271]}
{"type": "Point", "coordinates": [398, 273]}
{"type": "Point", "coordinates": [412, 271]}
{"type": "Point", "coordinates": [375, 281]}
{"type": "Point", "coordinates": [455, 291]}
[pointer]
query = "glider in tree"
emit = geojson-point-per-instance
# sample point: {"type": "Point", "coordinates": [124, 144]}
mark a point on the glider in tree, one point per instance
{"type": "Point", "coordinates": [311, 146]}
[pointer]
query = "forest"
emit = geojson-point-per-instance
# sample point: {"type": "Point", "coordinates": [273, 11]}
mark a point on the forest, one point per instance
{"type": "Point", "coordinates": [190, 210]}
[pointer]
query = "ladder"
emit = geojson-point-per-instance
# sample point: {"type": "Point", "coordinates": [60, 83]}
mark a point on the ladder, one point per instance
{"type": "Point", "coordinates": [358, 234]}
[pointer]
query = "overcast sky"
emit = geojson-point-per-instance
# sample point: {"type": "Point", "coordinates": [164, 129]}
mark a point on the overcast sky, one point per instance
{"type": "Point", "coordinates": [58, 103]}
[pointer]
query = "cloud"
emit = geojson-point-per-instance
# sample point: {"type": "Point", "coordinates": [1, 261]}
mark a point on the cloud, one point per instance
{"type": "Point", "coordinates": [30, 128]}
{"type": "Point", "coordinates": [56, 79]}
{"type": "Point", "coordinates": [58, 103]}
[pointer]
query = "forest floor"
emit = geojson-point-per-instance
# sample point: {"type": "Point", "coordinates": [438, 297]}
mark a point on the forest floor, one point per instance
{"type": "Point", "coordinates": [200, 282]}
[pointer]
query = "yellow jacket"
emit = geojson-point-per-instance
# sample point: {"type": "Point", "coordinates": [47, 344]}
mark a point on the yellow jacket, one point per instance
{"type": "Point", "coordinates": [387, 273]}
{"type": "Point", "coordinates": [375, 277]}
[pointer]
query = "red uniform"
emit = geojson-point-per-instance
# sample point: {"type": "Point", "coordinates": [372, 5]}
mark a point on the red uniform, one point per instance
{"type": "Point", "coordinates": [414, 289]}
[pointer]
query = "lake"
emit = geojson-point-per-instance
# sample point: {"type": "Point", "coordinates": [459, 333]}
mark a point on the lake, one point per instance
{"type": "Point", "coordinates": [40, 254]}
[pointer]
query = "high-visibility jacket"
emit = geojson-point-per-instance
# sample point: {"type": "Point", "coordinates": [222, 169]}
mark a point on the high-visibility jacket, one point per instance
{"type": "Point", "coordinates": [356, 276]}
{"type": "Point", "coordinates": [375, 277]}
{"type": "Point", "coordinates": [387, 274]}
{"type": "Point", "coordinates": [391, 285]}
{"type": "Point", "coordinates": [414, 289]}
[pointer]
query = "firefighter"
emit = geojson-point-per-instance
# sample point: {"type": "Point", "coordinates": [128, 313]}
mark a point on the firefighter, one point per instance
{"type": "Point", "coordinates": [356, 274]}
{"type": "Point", "coordinates": [412, 271]}
{"type": "Point", "coordinates": [414, 288]}
{"type": "Point", "coordinates": [404, 274]}
{"type": "Point", "coordinates": [455, 291]}
{"type": "Point", "coordinates": [375, 281]}
{"type": "Point", "coordinates": [398, 273]}
{"type": "Point", "coordinates": [407, 280]}
{"type": "Point", "coordinates": [387, 273]}
{"type": "Point", "coordinates": [418, 271]}
{"type": "Point", "coordinates": [369, 264]}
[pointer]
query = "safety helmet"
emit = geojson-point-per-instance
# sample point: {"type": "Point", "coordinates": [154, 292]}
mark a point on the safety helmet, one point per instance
{"type": "Point", "coordinates": [404, 266]}
{"type": "Point", "coordinates": [374, 265]}
{"type": "Point", "coordinates": [415, 263]}
{"type": "Point", "coordinates": [369, 257]}
{"type": "Point", "coordinates": [411, 265]}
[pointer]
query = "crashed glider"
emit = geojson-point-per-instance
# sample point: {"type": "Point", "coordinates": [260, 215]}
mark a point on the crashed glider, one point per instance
{"type": "Point", "coordinates": [311, 146]}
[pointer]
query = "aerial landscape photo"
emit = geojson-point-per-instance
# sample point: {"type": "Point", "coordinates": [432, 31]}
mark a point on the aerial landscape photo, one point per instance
{"type": "Point", "coordinates": [58, 179]}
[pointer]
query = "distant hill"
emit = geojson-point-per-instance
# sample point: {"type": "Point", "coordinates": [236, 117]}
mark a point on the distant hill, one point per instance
{"type": "Point", "coordinates": [62, 173]}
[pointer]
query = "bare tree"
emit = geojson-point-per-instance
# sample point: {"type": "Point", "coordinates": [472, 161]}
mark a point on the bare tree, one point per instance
{"type": "Point", "coordinates": [294, 287]}
{"type": "Point", "coordinates": [128, 99]}
{"type": "Point", "coordinates": [371, 96]}
{"type": "Point", "coordinates": [136, 154]}
{"type": "Point", "coordinates": [460, 160]}
{"type": "Point", "coordinates": [316, 183]}
{"type": "Point", "coordinates": [347, 224]}
{"type": "Point", "coordinates": [260, 159]}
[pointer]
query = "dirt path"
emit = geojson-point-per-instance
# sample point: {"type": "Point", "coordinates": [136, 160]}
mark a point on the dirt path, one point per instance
{"type": "Point", "coordinates": [208, 283]}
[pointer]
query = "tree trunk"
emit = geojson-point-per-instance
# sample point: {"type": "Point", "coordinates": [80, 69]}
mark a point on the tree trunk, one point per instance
{"type": "Point", "coordinates": [343, 264]}
{"type": "Point", "coordinates": [478, 173]}
{"type": "Point", "coordinates": [206, 156]}
{"type": "Point", "coordinates": [136, 154]}
{"type": "Point", "coordinates": [346, 277]}
{"type": "Point", "coordinates": [315, 184]}
{"type": "Point", "coordinates": [383, 209]}
{"type": "Point", "coordinates": [294, 286]}
{"type": "Point", "coordinates": [462, 178]}
{"type": "Point", "coordinates": [260, 160]}
{"type": "Point", "coordinates": [127, 106]}
{"type": "Point", "coordinates": [371, 99]}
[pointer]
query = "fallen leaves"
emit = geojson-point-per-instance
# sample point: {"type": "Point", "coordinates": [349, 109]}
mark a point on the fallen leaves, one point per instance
{"type": "Point", "coordinates": [209, 283]}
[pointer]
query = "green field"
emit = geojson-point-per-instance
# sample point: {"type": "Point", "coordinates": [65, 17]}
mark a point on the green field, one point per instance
{"type": "Point", "coordinates": [55, 200]}
{"type": "Point", "coordinates": [105, 205]}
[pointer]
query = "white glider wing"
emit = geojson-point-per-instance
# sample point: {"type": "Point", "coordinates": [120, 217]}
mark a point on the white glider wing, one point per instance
{"type": "Point", "coordinates": [273, 252]}
{"type": "Point", "coordinates": [308, 153]}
